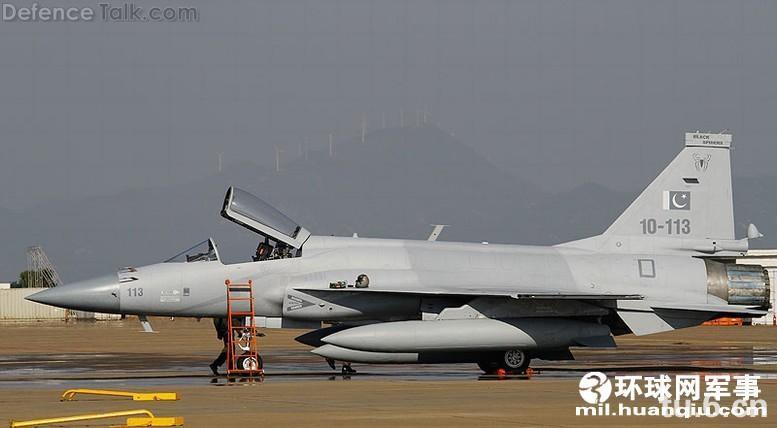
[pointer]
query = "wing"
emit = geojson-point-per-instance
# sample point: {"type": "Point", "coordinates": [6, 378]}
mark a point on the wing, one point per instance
{"type": "Point", "coordinates": [476, 292]}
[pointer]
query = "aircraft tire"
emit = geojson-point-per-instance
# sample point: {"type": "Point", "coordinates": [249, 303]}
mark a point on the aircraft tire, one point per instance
{"type": "Point", "coordinates": [513, 361]}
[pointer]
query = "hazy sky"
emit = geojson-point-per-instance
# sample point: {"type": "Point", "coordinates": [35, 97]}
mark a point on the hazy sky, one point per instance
{"type": "Point", "coordinates": [561, 92]}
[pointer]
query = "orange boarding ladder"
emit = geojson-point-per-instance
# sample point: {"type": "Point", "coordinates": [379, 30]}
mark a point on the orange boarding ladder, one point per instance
{"type": "Point", "coordinates": [242, 351]}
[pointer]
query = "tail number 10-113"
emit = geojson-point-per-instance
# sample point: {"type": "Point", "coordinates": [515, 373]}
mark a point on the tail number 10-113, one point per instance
{"type": "Point", "coordinates": [677, 226]}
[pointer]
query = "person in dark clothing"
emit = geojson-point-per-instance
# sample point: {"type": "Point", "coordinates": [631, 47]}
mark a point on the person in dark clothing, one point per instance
{"type": "Point", "coordinates": [222, 332]}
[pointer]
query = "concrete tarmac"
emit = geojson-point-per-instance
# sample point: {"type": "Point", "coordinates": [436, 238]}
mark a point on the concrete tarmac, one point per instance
{"type": "Point", "coordinates": [38, 361]}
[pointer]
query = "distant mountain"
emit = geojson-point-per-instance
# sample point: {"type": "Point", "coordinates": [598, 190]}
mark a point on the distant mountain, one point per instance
{"type": "Point", "coordinates": [584, 211]}
{"type": "Point", "coordinates": [395, 184]}
{"type": "Point", "coordinates": [398, 183]}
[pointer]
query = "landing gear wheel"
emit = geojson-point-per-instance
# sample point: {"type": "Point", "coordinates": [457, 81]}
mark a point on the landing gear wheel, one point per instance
{"type": "Point", "coordinates": [515, 361]}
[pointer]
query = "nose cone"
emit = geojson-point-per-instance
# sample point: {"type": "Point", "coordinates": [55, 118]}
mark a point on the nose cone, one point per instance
{"type": "Point", "coordinates": [96, 295]}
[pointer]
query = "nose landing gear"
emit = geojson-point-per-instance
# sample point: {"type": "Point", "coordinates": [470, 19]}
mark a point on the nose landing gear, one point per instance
{"type": "Point", "coordinates": [346, 370]}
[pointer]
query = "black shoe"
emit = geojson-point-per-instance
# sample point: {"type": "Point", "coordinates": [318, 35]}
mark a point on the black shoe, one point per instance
{"type": "Point", "coordinates": [214, 368]}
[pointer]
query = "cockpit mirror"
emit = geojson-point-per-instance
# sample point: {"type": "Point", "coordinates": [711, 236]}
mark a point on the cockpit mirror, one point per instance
{"type": "Point", "coordinates": [204, 251]}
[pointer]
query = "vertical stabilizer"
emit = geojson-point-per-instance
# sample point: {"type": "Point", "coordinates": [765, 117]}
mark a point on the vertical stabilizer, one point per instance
{"type": "Point", "coordinates": [690, 199]}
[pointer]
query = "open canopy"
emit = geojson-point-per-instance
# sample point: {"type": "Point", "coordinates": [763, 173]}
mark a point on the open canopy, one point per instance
{"type": "Point", "coordinates": [257, 215]}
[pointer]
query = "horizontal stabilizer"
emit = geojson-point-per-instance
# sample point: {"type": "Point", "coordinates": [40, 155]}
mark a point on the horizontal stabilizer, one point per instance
{"type": "Point", "coordinates": [655, 317]}
{"type": "Point", "coordinates": [642, 323]}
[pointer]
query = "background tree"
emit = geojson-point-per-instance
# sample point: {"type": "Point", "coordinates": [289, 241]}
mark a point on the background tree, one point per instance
{"type": "Point", "coordinates": [28, 279]}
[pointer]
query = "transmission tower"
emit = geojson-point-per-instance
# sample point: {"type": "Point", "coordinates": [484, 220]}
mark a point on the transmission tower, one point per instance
{"type": "Point", "coordinates": [278, 152]}
{"type": "Point", "coordinates": [41, 272]}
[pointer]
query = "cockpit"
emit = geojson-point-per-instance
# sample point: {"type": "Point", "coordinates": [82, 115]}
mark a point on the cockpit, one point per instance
{"type": "Point", "coordinates": [204, 251]}
{"type": "Point", "coordinates": [281, 237]}
{"type": "Point", "coordinates": [273, 250]}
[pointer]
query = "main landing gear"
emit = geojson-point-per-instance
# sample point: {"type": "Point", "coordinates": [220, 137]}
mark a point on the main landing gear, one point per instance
{"type": "Point", "coordinates": [513, 361]}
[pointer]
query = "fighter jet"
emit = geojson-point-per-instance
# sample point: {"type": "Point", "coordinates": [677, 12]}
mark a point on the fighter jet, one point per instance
{"type": "Point", "coordinates": [668, 262]}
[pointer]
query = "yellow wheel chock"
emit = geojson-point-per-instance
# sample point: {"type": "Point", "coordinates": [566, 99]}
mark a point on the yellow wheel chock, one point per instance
{"type": "Point", "coordinates": [70, 394]}
{"type": "Point", "coordinates": [148, 420]}
{"type": "Point", "coordinates": [155, 421]}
